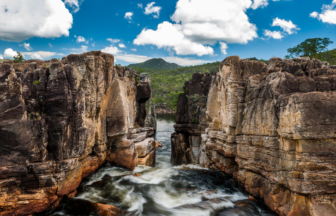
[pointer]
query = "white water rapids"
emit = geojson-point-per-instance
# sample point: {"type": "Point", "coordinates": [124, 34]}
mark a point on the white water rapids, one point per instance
{"type": "Point", "coordinates": [187, 190]}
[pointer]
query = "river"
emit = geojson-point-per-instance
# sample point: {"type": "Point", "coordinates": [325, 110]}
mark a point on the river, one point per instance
{"type": "Point", "coordinates": [186, 190]}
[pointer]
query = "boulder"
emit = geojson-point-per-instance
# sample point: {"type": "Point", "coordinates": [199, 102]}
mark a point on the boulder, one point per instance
{"type": "Point", "coordinates": [148, 160]}
{"type": "Point", "coordinates": [145, 147]}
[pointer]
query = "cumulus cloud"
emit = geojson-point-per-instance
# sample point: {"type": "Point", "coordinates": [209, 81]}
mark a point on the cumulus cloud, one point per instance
{"type": "Point", "coordinates": [122, 45]}
{"type": "Point", "coordinates": [111, 50]}
{"type": "Point", "coordinates": [23, 19]}
{"type": "Point", "coordinates": [199, 23]}
{"type": "Point", "coordinates": [50, 45]}
{"type": "Point", "coordinates": [40, 54]}
{"type": "Point", "coordinates": [74, 4]}
{"type": "Point", "coordinates": [223, 47]}
{"type": "Point", "coordinates": [328, 14]}
{"type": "Point", "coordinates": [134, 50]}
{"type": "Point", "coordinates": [140, 5]}
{"type": "Point", "coordinates": [81, 39]}
{"type": "Point", "coordinates": [287, 26]}
{"type": "Point", "coordinates": [1, 57]}
{"type": "Point", "coordinates": [80, 50]}
{"type": "Point", "coordinates": [170, 35]}
{"type": "Point", "coordinates": [10, 53]}
{"type": "Point", "coordinates": [128, 15]}
{"type": "Point", "coordinates": [113, 40]}
{"type": "Point", "coordinates": [260, 3]}
{"type": "Point", "coordinates": [314, 14]}
{"type": "Point", "coordinates": [273, 34]}
{"type": "Point", "coordinates": [27, 46]}
{"type": "Point", "coordinates": [151, 9]}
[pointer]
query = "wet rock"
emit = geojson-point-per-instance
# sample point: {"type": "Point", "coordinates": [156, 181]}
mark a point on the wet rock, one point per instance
{"type": "Point", "coordinates": [158, 144]}
{"type": "Point", "coordinates": [145, 147]}
{"type": "Point", "coordinates": [123, 154]}
{"type": "Point", "coordinates": [148, 160]}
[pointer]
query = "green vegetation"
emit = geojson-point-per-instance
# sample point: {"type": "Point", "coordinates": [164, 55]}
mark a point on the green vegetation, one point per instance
{"type": "Point", "coordinates": [262, 60]}
{"type": "Point", "coordinates": [310, 47]}
{"type": "Point", "coordinates": [2, 60]}
{"type": "Point", "coordinates": [18, 58]}
{"type": "Point", "coordinates": [36, 82]}
{"type": "Point", "coordinates": [156, 63]}
{"type": "Point", "coordinates": [328, 56]}
{"type": "Point", "coordinates": [168, 84]}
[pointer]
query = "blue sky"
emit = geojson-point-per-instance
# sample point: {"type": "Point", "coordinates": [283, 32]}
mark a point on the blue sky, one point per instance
{"type": "Point", "coordinates": [186, 32]}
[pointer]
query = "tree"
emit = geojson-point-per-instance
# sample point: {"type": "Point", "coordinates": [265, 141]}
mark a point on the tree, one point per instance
{"type": "Point", "coordinates": [310, 47]}
{"type": "Point", "coordinates": [18, 58]}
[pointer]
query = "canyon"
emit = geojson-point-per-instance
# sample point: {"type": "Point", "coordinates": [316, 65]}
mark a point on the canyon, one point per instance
{"type": "Point", "coordinates": [61, 120]}
{"type": "Point", "coordinates": [271, 127]}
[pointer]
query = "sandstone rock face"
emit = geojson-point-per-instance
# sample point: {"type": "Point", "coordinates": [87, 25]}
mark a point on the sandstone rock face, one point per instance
{"type": "Point", "coordinates": [272, 127]}
{"type": "Point", "coordinates": [60, 121]}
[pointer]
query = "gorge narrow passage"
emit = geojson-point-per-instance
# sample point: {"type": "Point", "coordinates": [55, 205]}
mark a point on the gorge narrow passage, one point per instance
{"type": "Point", "coordinates": [163, 190]}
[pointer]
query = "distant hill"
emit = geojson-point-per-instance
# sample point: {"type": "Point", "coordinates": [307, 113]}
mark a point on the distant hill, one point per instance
{"type": "Point", "coordinates": [156, 63]}
{"type": "Point", "coordinates": [168, 84]}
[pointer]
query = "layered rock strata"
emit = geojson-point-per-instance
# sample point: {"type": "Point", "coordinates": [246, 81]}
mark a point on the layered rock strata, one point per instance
{"type": "Point", "coordinates": [272, 127]}
{"type": "Point", "coordinates": [60, 120]}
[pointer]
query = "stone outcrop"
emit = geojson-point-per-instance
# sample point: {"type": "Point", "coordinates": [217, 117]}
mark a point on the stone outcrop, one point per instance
{"type": "Point", "coordinates": [60, 120]}
{"type": "Point", "coordinates": [272, 127]}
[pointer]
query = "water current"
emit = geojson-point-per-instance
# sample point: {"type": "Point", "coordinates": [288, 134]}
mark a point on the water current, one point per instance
{"type": "Point", "coordinates": [186, 190]}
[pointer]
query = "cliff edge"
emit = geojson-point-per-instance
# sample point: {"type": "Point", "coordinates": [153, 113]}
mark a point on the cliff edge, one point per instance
{"type": "Point", "coordinates": [272, 127]}
{"type": "Point", "coordinates": [60, 120]}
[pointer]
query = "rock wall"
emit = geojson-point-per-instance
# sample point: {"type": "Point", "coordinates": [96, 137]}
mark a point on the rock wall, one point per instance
{"type": "Point", "coordinates": [272, 127]}
{"type": "Point", "coordinates": [60, 120]}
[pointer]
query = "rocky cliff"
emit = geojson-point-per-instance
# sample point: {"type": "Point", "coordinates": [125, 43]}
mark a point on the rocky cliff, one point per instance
{"type": "Point", "coordinates": [272, 127]}
{"type": "Point", "coordinates": [60, 120]}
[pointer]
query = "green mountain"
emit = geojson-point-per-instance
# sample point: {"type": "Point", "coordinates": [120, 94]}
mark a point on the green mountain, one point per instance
{"type": "Point", "coordinates": [156, 63]}
{"type": "Point", "coordinates": [168, 84]}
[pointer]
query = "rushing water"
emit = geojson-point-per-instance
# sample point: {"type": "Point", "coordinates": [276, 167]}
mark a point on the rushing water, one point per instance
{"type": "Point", "coordinates": [163, 190]}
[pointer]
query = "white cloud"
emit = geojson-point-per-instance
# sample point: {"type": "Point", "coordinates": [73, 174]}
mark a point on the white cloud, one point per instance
{"type": "Point", "coordinates": [223, 47]}
{"type": "Point", "coordinates": [23, 19]}
{"type": "Point", "coordinates": [74, 4]}
{"type": "Point", "coordinates": [151, 9]}
{"type": "Point", "coordinates": [170, 35]}
{"type": "Point", "coordinates": [1, 57]}
{"type": "Point", "coordinates": [82, 49]}
{"type": "Point", "coordinates": [128, 15]}
{"type": "Point", "coordinates": [287, 26]}
{"type": "Point", "coordinates": [81, 39]}
{"type": "Point", "coordinates": [40, 54]}
{"type": "Point", "coordinates": [122, 45]}
{"type": "Point", "coordinates": [184, 61]}
{"type": "Point", "coordinates": [111, 50]}
{"type": "Point", "coordinates": [26, 46]}
{"type": "Point", "coordinates": [10, 53]}
{"type": "Point", "coordinates": [134, 50]}
{"type": "Point", "coordinates": [113, 40]}
{"type": "Point", "coordinates": [260, 3]}
{"type": "Point", "coordinates": [199, 23]}
{"type": "Point", "coordinates": [50, 45]}
{"type": "Point", "coordinates": [314, 14]}
{"type": "Point", "coordinates": [273, 34]}
{"type": "Point", "coordinates": [328, 14]}
{"type": "Point", "coordinates": [132, 58]}
{"type": "Point", "coordinates": [140, 5]}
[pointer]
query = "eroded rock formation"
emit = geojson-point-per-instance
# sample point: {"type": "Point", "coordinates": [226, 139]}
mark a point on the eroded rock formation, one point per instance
{"type": "Point", "coordinates": [272, 127]}
{"type": "Point", "coordinates": [60, 120]}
